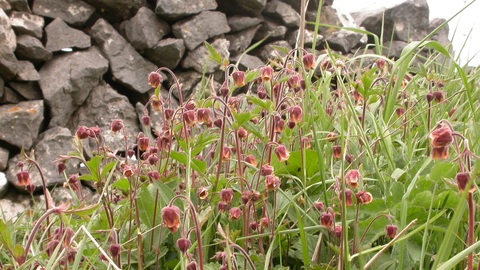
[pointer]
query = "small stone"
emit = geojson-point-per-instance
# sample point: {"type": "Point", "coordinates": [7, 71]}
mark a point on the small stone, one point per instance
{"type": "Point", "coordinates": [240, 41]}
{"type": "Point", "coordinates": [3, 188]}
{"type": "Point", "coordinates": [24, 23]}
{"type": "Point", "coordinates": [5, 6]}
{"type": "Point", "coordinates": [10, 97]}
{"type": "Point", "coordinates": [19, 5]}
{"type": "Point", "coordinates": [60, 36]}
{"type": "Point", "coordinates": [145, 29]}
{"type": "Point", "coordinates": [167, 53]}
{"type": "Point", "coordinates": [268, 52]}
{"type": "Point", "coordinates": [247, 61]}
{"type": "Point", "coordinates": [194, 31]}
{"type": "Point", "coordinates": [115, 10]}
{"type": "Point", "coordinates": [32, 49]}
{"type": "Point", "coordinates": [345, 40]}
{"type": "Point", "coordinates": [26, 72]}
{"type": "Point", "coordinates": [3, 160]}
{"type": "Point", "coordinates": [273, 29]}
{"type": "Point", "coordinates": [8, 65]}
{"type": "Point", "coordinates": [242, 7]}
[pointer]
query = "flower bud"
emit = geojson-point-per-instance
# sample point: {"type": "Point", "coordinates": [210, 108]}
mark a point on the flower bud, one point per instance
{"type": "Point", "coordinates": [222, 206]}
{"type": "Point", "coordinates": [380, 63]}
{"type": "Point", "coordinates": [154, 79]}
{"type": "Point", "coordinates": [116, 125]}
{"type": "Point", "coordinates": [337, 231]}
{"type": "Point", "coordinates": [262, 94]}
{"type": "Point", "coordinates": [239, 78]}
{"type": "Point", "coordinates": [253, 225]}
{"type": "Point", "coordinates": [337, 151]}
{"type": "Point", "coordinates": [153, 159]}
{"type": "Point", "coordinates": [264, 222]}
{"type": "Point", "coordinates": [400, 111]}
{"type": "Point", "coordinates": [308, 61]}
{"type": "Point", "coordinates": [153, 175]}
{"type": "Point", "coordinates": [114, 250]}
{"type": "Point", "coordinates": [82, 132]}
{"type": "Point", "coordinates": [218, 123]}
{"type": "Point", "coordinates": [61, 167]}
{"type": "Point", "coordinates": [305, 142]}
{"type": "Point", "coordinates": [462, 179]}
{"type": "Point", "coordinates": [203, 115]}
{"type": "Point", "coordinates": [225, 156]}
{"type": "Point", "coordinates": [226, 195]}
{"type": "Point", "coordinates": [390, 231]}
{"type": "Point", "coordinates": [319, 205]}
{"type": "Point", "coordinates": [168, 113]}
{"type": "Point", "coordinates": [279, 126]}
{"type": "Point", "coordinates": [439, 96]}
{"type": "Point", "coordinates": [146, 120]}
{"type": "Point", "coordinates": [224, 91]}
{"type": "Point", "coordinates": [183, 244]}
{"type": "Point", "coordinates": [294, 82]}
{"type": "Point", "coordinates": [242, 133]}
{"type": "Point", "coordinates": [192, 266]}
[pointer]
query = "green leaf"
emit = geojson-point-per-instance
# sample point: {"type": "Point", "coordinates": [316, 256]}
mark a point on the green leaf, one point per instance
{"type": "Point", "coordinates": [122, 184]}
{"type": "Point", "coordinates": [198, 165]}
{"type": "Point", "coordinates": [108, 168]}
{"type": "Point", "coordinates": [243, 118]}
{"type": "Point", "coordinates": [443, 170]}
{"type": "Point", "coordinates": [18, 251]}
{"type": "Point", "coordinates": [84, 211]}
{"type": "Point", "coordinates": [93, 166]}
{"type": "Point", "coordinates": [214, 55]}
{"type": "Point", "coordinates": [146, 207]}
{"type": "Point", "coordinates": [5, 237]}
{"type": "Point", "coordinates": [266, 104]}
{"type": "Point", "coordinates": [165, 193]}
{"type": "Point", "coordinates": [293, 166]}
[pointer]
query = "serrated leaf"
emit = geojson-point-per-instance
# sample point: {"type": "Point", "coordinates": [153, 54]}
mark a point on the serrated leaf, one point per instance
{"type": "Point", "coordinates": [107, 169]}
{"type": "Point", "coordinates": [198, 165]}
{"type": "Point", "coordinates": [214, 55]}
{"type": "Point", "coordinates": [146, 207]}
{"type": "Point", "coordinates": [242, 118]}
{"type": "Point", "coordinates": [266, 104]}
{"type": "Point", "coordinates": [122, 184]}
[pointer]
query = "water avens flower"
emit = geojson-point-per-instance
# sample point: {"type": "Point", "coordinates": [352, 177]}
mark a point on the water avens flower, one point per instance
{"type": "Point", "coordinates": [171, 218]}
{"type": "Point", "coordinates": [282, 153]}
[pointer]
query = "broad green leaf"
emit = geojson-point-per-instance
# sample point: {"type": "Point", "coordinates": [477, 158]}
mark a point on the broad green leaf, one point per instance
{"type": "Point", "coordinates": [243, 118]}
{"type": "Point", "coordinates": [443, 170]}
{"type": "Point", "coordinates": [266, 104]}
{"type": "Point", "coordinates": [5, 237]}
{"type": "Point", "coordinates": [214, 55]}
{"type": "Point", "coordinates": [122, 184]}
{"type": "Point", "coordinates": [108, 168]}
{"type": "Point", "coordinates": [293, 165]}
{"type": "Point", "coordinates": [146, 207]}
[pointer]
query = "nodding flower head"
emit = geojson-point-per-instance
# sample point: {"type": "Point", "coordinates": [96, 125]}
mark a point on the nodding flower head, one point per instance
{"type": "Point", "coordinates": [239, 78]}
{"type": "Point", "coordinates": [23, 178]}
{"type": "Point", "coordinates": [267, 73]}
{"type": "Point", "coordinates": [390, 231]}
{"type": "Point", "coordinates": [250, 159]}
{"type": "Point", "coordinates": [326, 219]}
{"type": "Point", "coordinates": [143, 144]}
{"type": "Point", "coordinates": [266, 169]}
{"type": "Point", "coordinates": [308, 61]}
{"type": "Point", "coordinates": [226, 195]}
{"type": "Point", "coordinates": [337, 151]}
{"type": "Point", "coordinates": [235, 213]}
{"type": "Point", "coordinates": [203, 115]}
{"type": "Point", "coordinates": [189, 118]}
{"type": "Point", "coordinates": [116, 125]}
{"type": "Point", "coordinates": [441, 137]}
{"type": "Point", "coordinates": [155, 79]}
{"type": "Point", "coordinates": [171, 218]}
{"type": "Point", "coordinates": [352, 177]}
{"type": "Point", "coordinates": [364, 197]}
{"type": "Point", "coordinates": [282, 153]}
{"type": "Point", "coordinates": [272, 182]}
{"type": "Point", "coordinates": [462, 179]}
{"type": "Point", "coordinates": [296, 114]}
{"type": "Point", "coordinates": [184, 244]}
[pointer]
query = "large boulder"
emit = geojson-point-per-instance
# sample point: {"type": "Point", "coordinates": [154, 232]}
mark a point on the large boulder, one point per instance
{"type": "Point", "coordinates": [32, 49]}
{"type": "Point", "coordinates": [126, 64]}
{"type": "Point", "coordinates": [60, 35]}
{"type": "Point", "coordinates": [21, 123]}
{"type": "Point", "coordinates": [199, 59]}
{"type": "Point", "coordinates": [67, 80]}
{"type": "Point", "coordinates": [26, 23]}
{"type": "Point", "coordinates": [8, 44]}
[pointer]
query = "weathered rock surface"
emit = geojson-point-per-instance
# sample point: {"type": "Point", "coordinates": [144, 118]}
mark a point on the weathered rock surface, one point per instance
{"type": "Point", "coordinates": [60, 35]}
{"type": "Point", "coordinates": [26, 23]}
{"type": "Point", "coordinates": [67, 80]}
{"type": "Point", "coordinates": [126, 64]}
{"type": "Point", "coordinates": [239, 23]}
{"type": "Point", "coordinates": [198, 58]}
{"type": "Point", "coordinates": [28, 90]}
{"type": "Point", "coordinates": [26, 72]}
{"type": "Point", "coordinates": [345, 40]}
{"type": "Point", "coordinates": [242, 7]}
{"type": "Point", "coordinates": [101, 107]}
{"type": "Point", "coordinates": [19, 5]}
{"type": "Point", "coordinates": [32, 49]}
{"type": "Point", "coordinates": [3, 158]}
{"type": "Point", "coordinates": [21, 123]}
{"type": "Point", "coordinates": [74, 12]}
{"type": "Point", "coordinates": [284, 12]}
{"type": "Point", "coordinates": [176, 9]}
{"type": "Point", "coordinates": [50, 145]}
{"type": "Point", "coordinates": [145, 29]}
{"type": "Point", "coordinates": [8, 44]}
{"type": "Point", "coordinates": [167, 53]}
{"type": "Point", "coordinates": [240, 41]}
{"type": "Point", "coordinates": [201, 27]}
{"type": "Point", "coordinates": [117, 10]}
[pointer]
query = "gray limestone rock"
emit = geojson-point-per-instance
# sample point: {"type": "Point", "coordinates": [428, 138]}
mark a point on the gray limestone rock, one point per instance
{"type": "Point", "coordinates": [21, 123]}
{"type": "Point", "coordinates": [176, 9]}
{"type": "Point", "coordinates": [271, 28]}
{"type": "Point", "coordinates": [145, 29]}
{"type": "Point", "coordinates": [247, 61]}
{"type": "Point", "coordinates": [3, 158]}
{"type": "Point", "coordinates": [126, 64]}
{"type": "Point", "coordinates": [60, 35]}
{"type": "Point", "coordinates": [345, 40]}
{"type": "Point", "coordinates": [242, 7]}
{"type": "Point", "coordinates": [117, 10]}
{"type": "Point", "coordinates": [5, 6]}
{"type": "Point", "coordinates": [101, 107]}
{"type": "Point", "coordinates": [13, 205]}
{"type": "Point", "coordinates": [8, 64]}
{"type": "Point", "coordinates": [74, 12]}
{"type": "Point", "coordinates": [10, 97]}
{"type": "Point", "coordinates": [32, 49]}
{"type": "Point", "coordinates": [284, 12]}
{"type": "Point", "coordinates": [308, 36]}
{"type": "Point", "coordinates": [24, 23]}
{"type": "Point", "coordinates": [393, 49]}
{"type": "Point", "coordinates": [50, 145]}
{"type": "Point", "coordinates": [187, 80]}
{"type": "Point", "coordinates": [66, 81]}
{"type": "Point", "coordinates": [442, 35]}
{"type": "Point", "coordinates": [198, 58]}
{"type": "Point", "coordinates": [195, 30]}
{"type": "Point", "coordinates": [167, 53]}
{"type": "Point", "coordinates": [26, 72]}
{"type": "Point", "coordinates": [238, 23]}
{"type": "Point", "coordinates": [28, 90]}
{"type": "Point", "coordinates": [19, 5]}
{"type": "Point", "coordinates": [268, 52]}
{"type": "Point", "coordinates": [407, 21]}
{"type": "Point", "coordinates": [240, 41]}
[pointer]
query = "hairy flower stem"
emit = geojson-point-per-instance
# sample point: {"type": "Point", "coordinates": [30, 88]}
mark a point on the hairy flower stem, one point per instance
{"type": "Point", "coordinates": [35, 229]}
{"type": "Point", "coordinates": [471, 224]}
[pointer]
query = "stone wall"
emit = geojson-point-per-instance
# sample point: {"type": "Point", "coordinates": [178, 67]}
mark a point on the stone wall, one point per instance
{"type": "Point", "coordinates": [66, 63]}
